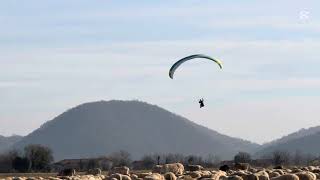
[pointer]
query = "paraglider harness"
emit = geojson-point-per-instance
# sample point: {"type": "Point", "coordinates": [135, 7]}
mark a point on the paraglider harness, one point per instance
{"type": "Point", "coordinates": [201, 102]}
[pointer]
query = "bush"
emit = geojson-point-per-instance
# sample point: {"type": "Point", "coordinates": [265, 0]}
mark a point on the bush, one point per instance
{"type": "Point", "coordinates": [280, 158]}
{"type": "Point", "coordinates": [21, 164]}
{"type": "Point", "coordinates": [6, 161]}
{"type": "Point", "coordinates": [121, 158]}
{"type": "Point", "coordinates": [39, 156]}
{"type": "Point", "coordinates": [148, 162]}
{"type": "Point", "coordinates": [242, 157]}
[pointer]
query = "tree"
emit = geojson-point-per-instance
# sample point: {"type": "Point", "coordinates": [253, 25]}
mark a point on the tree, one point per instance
{"type": "Point", "coordinates": [242, 157]}
{"type": "Point", "coordinates": [309, 158]}
{"type": "Point", "coordinates": [21, 164]}
{"type": "Point", "coordinates": [6, 161]}
{"type": "Point", "coordinates": [92, 164]}
{"type": "Point", "coordinates": [39, 156]}
{"type": "Point", "coordinates": [174, 158]}
{"type": "Point", "coordinates": [193, 159]}
{"type": "Point", "coordinates": [280, 157]}
{"type": "Point", "coordinates": [121, 158]}
{"type": "Point", "coordinates": [211, 160]}
{"type": "Point", "coordinates": [298, 158]}
{"type": "Point", "coordinates": [149, 161]}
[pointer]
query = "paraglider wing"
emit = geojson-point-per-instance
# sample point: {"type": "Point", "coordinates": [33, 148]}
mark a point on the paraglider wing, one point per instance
{"type": "Point", "coordinates": [181, 61]}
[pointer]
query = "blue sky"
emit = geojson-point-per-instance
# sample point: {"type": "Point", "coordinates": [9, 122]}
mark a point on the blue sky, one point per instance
{"type": "Point", "coordinates": [58, 54]}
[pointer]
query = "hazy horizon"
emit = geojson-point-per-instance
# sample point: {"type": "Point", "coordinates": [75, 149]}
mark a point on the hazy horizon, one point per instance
{"type": "Point", "coordinates": [58, 54]}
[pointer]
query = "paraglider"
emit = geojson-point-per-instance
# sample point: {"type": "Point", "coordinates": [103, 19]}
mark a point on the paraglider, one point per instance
{"type": "Point", "coordinates": [181, 61]}
{"type": "Point", "coordinates": [175, 66]}
{"type": "Point", "coordinates": [201, 102]}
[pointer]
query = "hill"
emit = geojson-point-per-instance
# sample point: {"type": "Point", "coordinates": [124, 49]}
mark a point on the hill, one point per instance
{"type": "Point", "coordinates": [299, 134]}
{"type": "Point", "coordinates": [103, 127]}
{"type": "Point", "coordinates": [304, 140]}
{"type": "Point", "coordinates": [7, 142]}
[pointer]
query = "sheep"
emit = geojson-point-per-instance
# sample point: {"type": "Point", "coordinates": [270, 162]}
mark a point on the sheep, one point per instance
{"type": "Point", "coordinates": [194, 168]}
{"type": "Point", "coordinates": [194, 174]}
{"type": "Point", "coordinates": [121, 170]}
{"type": "Point", "coordinates": [31, 178]}
{"type": "Point", "coordinates": [280, 171]}
{"type": "Point", "coordinates": [234, 177]}
{"type": "Point", "coordinates": [142, 175]}
{"type": "Point", "coordinates": [263, 175]}
{"type": "Point", "coordinates": [317, 170]}
{"type": "Point", "coordinates": [305, 169]}
{"type": "Point", "coordinates": [223, 177]}
{"type": "Point", "coordinates": [313, 175]}
{"type": "Point", "coordinates": [221, 172]}
{"type": "Point", "coordinates": [116, 176]}
{"type": "Point", "coordinates": [239, 173]}
{"type": "Point", "coordinates": [250, 177]}
{"type": "Point", "coordinates": [263, 172]}
{"type": "Point", "coordinates": [53, 178]}
{"type": "Point", "coordinates": [134, 176]}
{"type": "Point", "coordinates": [170, 176]}
{"type": "Point", "coordinates": [85, 177]}
{"type": "Point", "coordinates": [205, 174]}
{"type": "Point", "coordinates": [253, 170]}
{"type": "Point", "coordinates": [176, 168]}
{"type": "Point", "coordinates": [96, 171]}
{"type": "Point", "coordinates": [296, 170]}
{"type": "Point", "coordinates": [67, 172]}
{"type": "Point", "coordinates": [224, 168]}
{"type": "Point", "coordinates": [288, 170]}
{"type": "Point", "coordinates": [157, 169]}
{"type": "Point", "coordinates": [286, 177]}
{"type": "Point", "coordinates": [306, 176]}
{"type": "Point", "coordinates": [185, 177]}
{"type": "Point", "coordinates": [241, 166]}
{"type": "Point", "coordinates": [154, 176]}
{"type": "Point", "coordinates": [268, 171]}
{"type": "Point", "coordinates": [274, 174]}
{"type": "Point", "coordinates": [180, 168]}
{"type": "Point", "coordinates": [125, 177]}
{"type": "Point", "coordinates": [217, 175]}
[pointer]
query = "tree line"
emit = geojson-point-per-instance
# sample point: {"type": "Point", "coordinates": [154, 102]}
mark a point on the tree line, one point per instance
{"type": "Point", "coordinates": [33, 158]}
{"type": "Point", "coordinates": [39, 158]}
{"type": "Point", "coordinates": [281, 158]}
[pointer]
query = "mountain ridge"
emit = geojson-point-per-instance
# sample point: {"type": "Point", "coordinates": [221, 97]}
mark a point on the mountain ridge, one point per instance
{"type": "Point", "coordinates": [7, 141]}
{"type": "Point", "coordinates": [294, 135]}
{"type": "Point", "coordinates": [144, 128]}
{"type": "Point", "coordinates": [95, 124]}
{"type": "Point", "coordinates": [307, 145]}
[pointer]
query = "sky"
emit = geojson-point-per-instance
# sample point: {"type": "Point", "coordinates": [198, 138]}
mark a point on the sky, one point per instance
{"type": "Point", "coordinates": [58, 54]}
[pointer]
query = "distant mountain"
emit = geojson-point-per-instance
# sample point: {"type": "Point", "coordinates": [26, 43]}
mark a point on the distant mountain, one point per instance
{"type": "Point", "coordinates": [304, 140]}
{"type": "Point", "coordinates": [301, 133]}
{"type": "Point", "coordinates": [100, 128]}
{"type": "Point", "coordinates": [7, 142]}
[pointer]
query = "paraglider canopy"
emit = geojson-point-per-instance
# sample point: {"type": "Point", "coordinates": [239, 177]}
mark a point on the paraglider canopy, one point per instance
{"type": "Point", "coordinates": [181, 61]}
